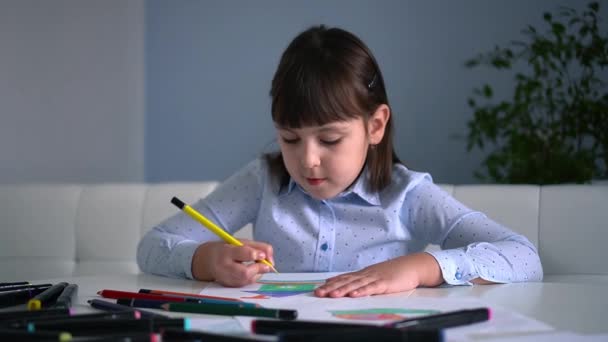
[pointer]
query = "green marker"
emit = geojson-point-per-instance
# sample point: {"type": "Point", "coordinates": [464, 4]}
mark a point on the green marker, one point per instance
{"type": "Point", "coordinates": [230, 310]}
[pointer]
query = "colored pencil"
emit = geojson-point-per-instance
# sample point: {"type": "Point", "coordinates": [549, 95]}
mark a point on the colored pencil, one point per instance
{"type": "Point", "coordinates": [214, 228]}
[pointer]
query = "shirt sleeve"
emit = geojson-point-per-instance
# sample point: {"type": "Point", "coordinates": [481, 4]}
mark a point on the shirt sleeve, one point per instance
{"type": "Point", "coordinates": [167, 249]}
{"type": "Point", "coordinates": [472, 245]}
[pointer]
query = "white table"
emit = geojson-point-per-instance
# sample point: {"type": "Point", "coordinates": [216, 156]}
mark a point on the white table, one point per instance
{"type": "Point", "coordinates": [576, 307]}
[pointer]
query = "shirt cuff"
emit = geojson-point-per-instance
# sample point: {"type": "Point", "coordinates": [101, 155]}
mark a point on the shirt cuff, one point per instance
{"type": "Point", "coordinates": [182, 257]}
{"type": "Point", "coordinates": [456, 268]}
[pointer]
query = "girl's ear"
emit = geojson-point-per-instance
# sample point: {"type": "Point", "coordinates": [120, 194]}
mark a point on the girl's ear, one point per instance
{"type": "Point", "coordinates": [377, 124]}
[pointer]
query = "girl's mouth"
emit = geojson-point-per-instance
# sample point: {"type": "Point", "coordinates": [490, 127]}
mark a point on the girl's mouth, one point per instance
{"type": "Point", "coordinates": [315, 181]}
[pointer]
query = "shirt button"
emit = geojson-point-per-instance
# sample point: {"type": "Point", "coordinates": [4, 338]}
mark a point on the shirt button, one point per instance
{"type": "Point", "coordinates": [324, 246]}
{"type": "Point", "coordinates": [458, 275]}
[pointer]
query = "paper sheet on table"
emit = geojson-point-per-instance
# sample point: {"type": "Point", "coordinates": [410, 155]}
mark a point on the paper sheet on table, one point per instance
{"type": "Point", "coordinates": [552, 336]}
{"type": "Point", "coordinates": [294, 291]}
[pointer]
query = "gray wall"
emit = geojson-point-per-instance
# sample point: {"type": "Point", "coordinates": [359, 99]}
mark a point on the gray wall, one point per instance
{"type": "Point", "coordinates": [72, 99]}
{"type": "Point", "coordinates": [210, 63]}
{"type": "Point", "coordinates": [71, 91]}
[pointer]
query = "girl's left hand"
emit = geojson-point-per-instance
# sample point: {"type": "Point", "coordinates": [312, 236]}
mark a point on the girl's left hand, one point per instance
{"type": "Point", "coordinates": [396, 275]}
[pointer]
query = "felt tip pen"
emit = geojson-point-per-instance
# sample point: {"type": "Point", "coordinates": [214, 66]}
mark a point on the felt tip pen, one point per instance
{"type": "Point", "coordinates": [140, 303]}
{"type": "Point", "coordinates": [273, 327]}
{"type": "Point", "coordinates": [115, 294]}
{"type": "Point", "coordinates": [126, 336]}
{"type": "Point", "coordinates": [24, 322]}
{"type": "Point", "coordinates": [439, 321]}
{"type": "Point", "coordinates": [185, 294]}
{"type": "Point", "coordinates": [113, 307]}
{"type": "Point", "coordinates": [101, 326]}
{"type": "Point", "coordinates": [15, 283]}
{"type": "Point", "coordinates": [17, 297]}
{"type": "Point", "coordinates": [24, 336]}
{"type": "Point", "coordinates": [230, 310]}
{"type": "Point", "coordinates": [67, 297]}
{"type": "Point", "coordinates": [26, 314]}
{"type": "Point", "coordinates": [23, 287]}
{"type": "Point", "coordinates": [171, 334]}
{"type": "Point", "coordinates": [445, 320]}
{"type": "Point", "coordinates": [46, 297]}
{"type": "Point", "coordinates": [156, 304]}
{"type": "Point", "coordinates": [371, 333]}
{"type": "Point", "coordinates": [214, 228]}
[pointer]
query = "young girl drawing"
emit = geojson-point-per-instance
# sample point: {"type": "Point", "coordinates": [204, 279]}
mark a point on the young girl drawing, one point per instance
{"type": "Point", "coordinates": [336, 197]}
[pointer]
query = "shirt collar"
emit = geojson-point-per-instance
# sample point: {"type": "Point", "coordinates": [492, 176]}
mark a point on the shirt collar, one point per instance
{"type": "Point", "coordinates": [358, 188]}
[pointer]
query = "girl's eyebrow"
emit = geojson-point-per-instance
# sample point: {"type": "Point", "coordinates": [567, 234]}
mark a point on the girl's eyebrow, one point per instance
{"type": "Point", "coordinates": [325, 128]}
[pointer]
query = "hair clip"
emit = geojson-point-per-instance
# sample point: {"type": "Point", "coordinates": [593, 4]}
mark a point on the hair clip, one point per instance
{"type": "Point", "coordinates": [373, 82]}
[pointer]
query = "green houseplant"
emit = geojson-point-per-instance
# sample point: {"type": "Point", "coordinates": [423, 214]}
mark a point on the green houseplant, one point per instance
{"type": "Point", "coordinates": [554, 129]}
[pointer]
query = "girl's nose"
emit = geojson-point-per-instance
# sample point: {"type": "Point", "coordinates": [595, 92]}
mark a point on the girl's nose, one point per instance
{"type": "Point", "coordinates": [310, 156]}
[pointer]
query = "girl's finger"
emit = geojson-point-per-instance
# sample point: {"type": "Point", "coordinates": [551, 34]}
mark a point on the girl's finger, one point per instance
{"type": "Point", "coordinates": [246, 253]}
{"type": "Point", "coordinates": [372, 288]}
{"type": "Point", "coordinates": [349, 287]}
{"type": "Point", "coordinates": [335, 283]}
{"type": "Point", "coordinates": [262, 246]}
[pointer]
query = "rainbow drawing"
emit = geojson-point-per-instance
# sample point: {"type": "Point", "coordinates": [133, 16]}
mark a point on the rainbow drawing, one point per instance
{"type": "Point", "coordinates": [381, 314]}
{"type": "Point", "coordinates": [284, 288]}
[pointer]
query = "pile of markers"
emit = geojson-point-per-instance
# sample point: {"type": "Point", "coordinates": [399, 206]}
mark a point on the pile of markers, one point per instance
{"type": "Point", "coordinates": [43, 312]}
{"type": "Point", "coordinates": [279, 324]}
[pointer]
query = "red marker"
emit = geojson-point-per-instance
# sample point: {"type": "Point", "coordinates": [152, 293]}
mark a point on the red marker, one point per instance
{"type": "Point", "coordinates": [114, 294]}
{"type": "Point", "coordinates": [184, 294]}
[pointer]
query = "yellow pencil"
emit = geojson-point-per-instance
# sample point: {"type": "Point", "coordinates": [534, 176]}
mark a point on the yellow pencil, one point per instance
{"type": "Point", "coordinates": [213, 227]}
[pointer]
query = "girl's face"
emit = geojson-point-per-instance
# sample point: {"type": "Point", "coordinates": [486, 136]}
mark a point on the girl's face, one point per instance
{"type": "Point", "coordinates": [325, 160]}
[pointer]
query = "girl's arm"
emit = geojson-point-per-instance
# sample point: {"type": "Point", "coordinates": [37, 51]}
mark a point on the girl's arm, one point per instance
{"type": "Point", "coordinates": [475, 249]}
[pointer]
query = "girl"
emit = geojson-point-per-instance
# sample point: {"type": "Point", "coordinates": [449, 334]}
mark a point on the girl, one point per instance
{"type": "Point", "coordinates": [336, 197]}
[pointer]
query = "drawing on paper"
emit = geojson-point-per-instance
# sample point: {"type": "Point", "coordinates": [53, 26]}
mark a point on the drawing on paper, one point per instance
{"type": "Point", "coordinates": [283, 288]}
{"type": "Point", "coordinates": [381, 314]}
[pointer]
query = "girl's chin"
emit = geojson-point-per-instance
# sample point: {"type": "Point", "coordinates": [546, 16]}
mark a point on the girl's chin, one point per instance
{"type": "Point", "coordinates": [321, 194]}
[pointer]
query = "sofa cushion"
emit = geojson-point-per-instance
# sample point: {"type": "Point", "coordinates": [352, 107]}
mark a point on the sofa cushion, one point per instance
{"type": "Point", "coordinates": [574, 229]}
{"type": "Point", "coordinates": [38, 230]}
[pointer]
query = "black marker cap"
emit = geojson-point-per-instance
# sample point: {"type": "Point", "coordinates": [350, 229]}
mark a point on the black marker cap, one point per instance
{"type": "Point", "coordinates": [172, 334]}
{"type": "Point", "coordinates": [176, 201]}
{"type": "Point", "coordinates": [287, 314]}
{"type": "Point", "coordinates": [361, 335]}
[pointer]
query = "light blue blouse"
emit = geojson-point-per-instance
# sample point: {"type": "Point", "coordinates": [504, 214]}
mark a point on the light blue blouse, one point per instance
{"type": "Point", "coordinates": [355, 229]}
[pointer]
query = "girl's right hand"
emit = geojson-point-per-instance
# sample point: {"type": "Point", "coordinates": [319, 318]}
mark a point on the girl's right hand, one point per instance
{"type": "Point", "coordinates": [229, 265]}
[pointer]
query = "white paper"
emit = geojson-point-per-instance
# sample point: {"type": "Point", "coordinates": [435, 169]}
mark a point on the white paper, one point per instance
{"type": "Point", "coordinates": [554, 336]}
{"type": "Point", "coordinates": [375, 310]}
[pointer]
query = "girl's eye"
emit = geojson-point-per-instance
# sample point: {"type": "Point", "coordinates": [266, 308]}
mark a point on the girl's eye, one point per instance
{"type": "Point", "coordinates": [331, 142]}
{"type": "Point", "coordinates": [290, 141]}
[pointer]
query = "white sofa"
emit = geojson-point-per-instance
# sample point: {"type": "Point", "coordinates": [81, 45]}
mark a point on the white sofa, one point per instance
{"type": "Point", "coordinates": [78, 229]}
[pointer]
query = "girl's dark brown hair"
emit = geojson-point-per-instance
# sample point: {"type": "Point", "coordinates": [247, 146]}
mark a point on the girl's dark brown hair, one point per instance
{"type": "Point", "coordinates": [327, 75]}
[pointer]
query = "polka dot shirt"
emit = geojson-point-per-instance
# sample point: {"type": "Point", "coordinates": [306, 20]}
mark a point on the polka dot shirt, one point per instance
{"type": "Point", "coordinates": [355, 229]}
